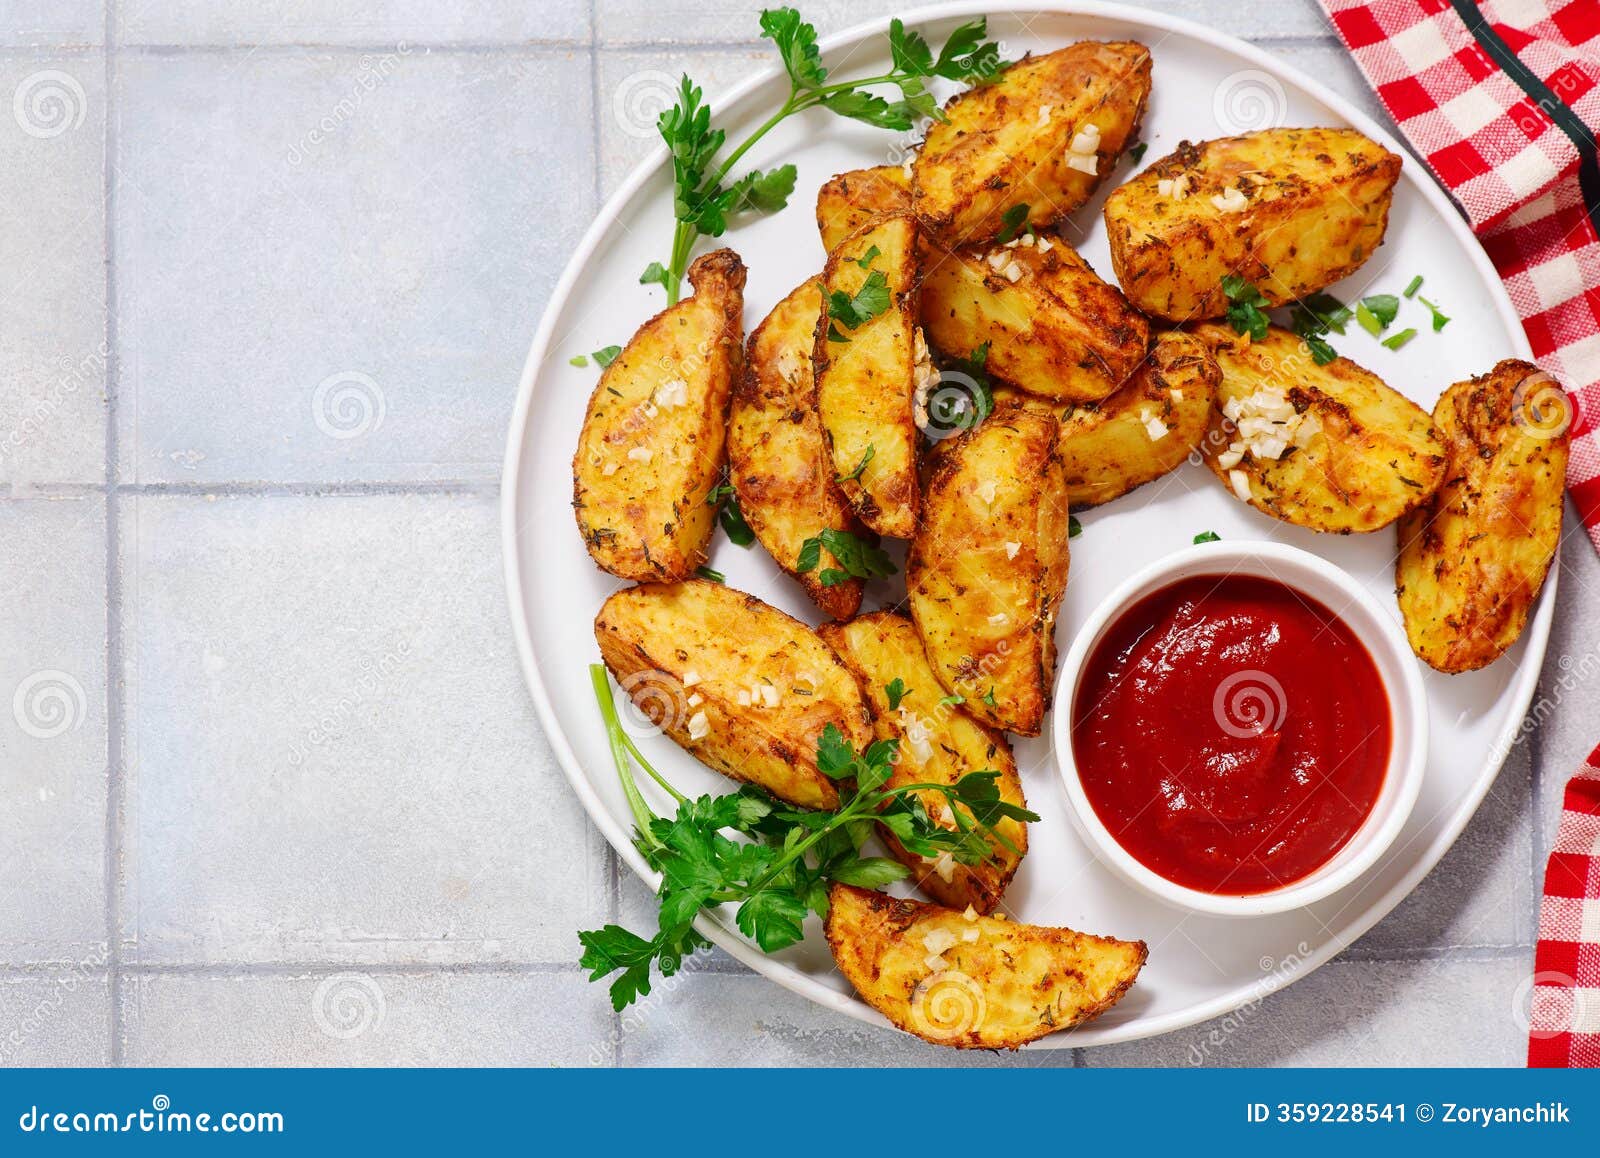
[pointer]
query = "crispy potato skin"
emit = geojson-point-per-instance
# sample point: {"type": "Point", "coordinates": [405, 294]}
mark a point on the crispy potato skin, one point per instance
{"type": "Point", "coordinates": [995, 150]}
{"type": "Point", "coordinates": [1106, 448]}
{"type": "Point", "coordinates": [1320, 211]}
{"type": "Point", "coordinates": [1014, 984]}
{"type": "Point", "coordinates": [850, 200]}
{"type": "Point", "coordinates": [1376, 458]}
{"type": "Point", "coordinates": [654, 635]}
{"type": "Point", "coordinates": [1058, 331]}
{"type": "Point", "coordinates": [866, 386]}
{"type": "Point", "coordinates": [648, 520]}
{"type": "Point", "coordinates": [987, 613]}
{"type": "Point", "coordinates": [777, 459]}
{"type": "Point", "coordinates": [1472, 559]}
{"type": "Point", "coordinates": [939, 744]}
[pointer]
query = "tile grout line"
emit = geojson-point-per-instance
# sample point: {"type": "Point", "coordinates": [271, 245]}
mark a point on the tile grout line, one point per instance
{"type": "Point", "coordinates": [114, 687]}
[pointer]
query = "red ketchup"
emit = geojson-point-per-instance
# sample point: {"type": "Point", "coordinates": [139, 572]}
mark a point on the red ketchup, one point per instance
{"type": "Point", "coordinates": [1231, 733]}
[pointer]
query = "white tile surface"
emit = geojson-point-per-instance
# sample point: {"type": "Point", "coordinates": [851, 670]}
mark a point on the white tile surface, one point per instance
{"type": "Point", "coordinates": [348, 21]}
{"type": "Point", "coordinates": [1569, 686]}
{"type": "Point", "coordinates": [1431, 1013]}
{"type": "Point", "coordinates": [52, 23]}
{"type": "Point", "coordinates": [52, 729]}
{"type": "Point", "coordinates": [362, 243]}
{"type": "Point", "coordinates": [56, 1017]}
{"type": "Point", "coordinates": [52, 279]}
{"type": "Point", "coordinates": [331, 754]}
{"type": "Point", "coordinates": [350, 1018]}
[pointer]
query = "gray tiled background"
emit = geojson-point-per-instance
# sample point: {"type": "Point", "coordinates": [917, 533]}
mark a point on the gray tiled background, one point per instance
{"type": "Point", "coordinates": [271, 790]}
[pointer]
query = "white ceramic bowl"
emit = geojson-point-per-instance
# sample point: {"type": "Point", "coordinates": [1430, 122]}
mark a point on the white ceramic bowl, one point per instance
{"type": "Point", "coordinates": [1378, 630]}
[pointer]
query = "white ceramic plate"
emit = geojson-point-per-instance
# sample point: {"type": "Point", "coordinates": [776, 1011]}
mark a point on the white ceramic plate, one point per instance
{"type": "Point", "coordinates": [1205, 86]}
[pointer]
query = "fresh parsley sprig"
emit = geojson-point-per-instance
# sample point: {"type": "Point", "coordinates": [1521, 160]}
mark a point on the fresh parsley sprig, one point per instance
{"type": "Point", "coordinates": [857, 558]}
{"type": "Point", "coordinates": [774, 861]}
{"type": "Point", "coordinates": [706, 195]}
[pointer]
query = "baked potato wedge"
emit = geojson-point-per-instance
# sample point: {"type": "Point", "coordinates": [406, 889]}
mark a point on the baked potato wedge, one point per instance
{"type": "Point", "coordinates": [1054, 328]}
{"type": "Point", "coordinates": [988, 566]}
{"type": "Point", "coordinates": [653, 439]}
{"type": "Point", "coordinates": [1473, 557]}
{"type": "Point", "coordinates": [978, 983]}
{"type": "Point", "coordinates": [850, 200]}
{"type": "Point", "coordinates": [1328, 447]}
{"type": "Point", "coordinates": [1044, 133]}
{"type": "Point", "coordinates": [1290, 210]}
{"type": "Point", "coordinates": [740, 685]}
{"type": "Point", "coordinates": [778, 462]}
{"type": "Point", "coordinates": [939, 744]}
{"type": "Point", "coordinates": [871, 363]}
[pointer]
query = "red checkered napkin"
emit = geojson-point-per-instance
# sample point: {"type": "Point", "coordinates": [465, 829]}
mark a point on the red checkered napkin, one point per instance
{"type": "Point", "coordinates": [1502, 99]}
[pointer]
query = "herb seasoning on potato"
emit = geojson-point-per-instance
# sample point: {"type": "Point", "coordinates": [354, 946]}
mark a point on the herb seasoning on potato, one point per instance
{"type": "Point", "coordinates": [1472, 559]}
{"type": "Point", "coordinates": [653, 438]}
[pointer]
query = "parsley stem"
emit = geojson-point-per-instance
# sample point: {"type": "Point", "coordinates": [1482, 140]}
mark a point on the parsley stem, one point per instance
{"type": "Point", "coordinates": [650, 768]}
{"type": "Point", "coordinates": [642, 816]}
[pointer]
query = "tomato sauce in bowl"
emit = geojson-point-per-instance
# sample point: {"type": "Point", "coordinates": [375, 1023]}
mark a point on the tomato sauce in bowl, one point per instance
{"type": "Point", "coordinates": [1231, 733]}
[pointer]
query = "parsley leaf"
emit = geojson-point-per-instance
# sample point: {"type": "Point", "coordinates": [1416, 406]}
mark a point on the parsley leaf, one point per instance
{"type": "Point", "coordinates": [1400, 339]}
{"type": "Point", "coordinates": [1208, 537]}
{"type": "Point", "coordinates": [857, 559]}
{"type": "Point", "coordinates": [865, 260]}
{"type": "Point", "coordinates": [867, 303]}
{"type": "Point", "coordinates": [988, 697]}
{"type": "Point", "coordinates": [606, 355]}
{"type": "Point", "coordinates": [951, 700]}
{"type": "Point", "coordinates": [730, 516]}
{"type": "Point", "coordinates": [855, 475]}
{"type": "Point", "coordinates": [579, 360]}
{"type": "Point", "coordinates": [1245, 307]}
{"type": "Point", "coordinates": [1074, 528]}
{"type": "Point", "coordinates": [1012, 221]}
{"type": "Point", "coordinates": [1439, 320]}
{"type": "Point", "coordinates": [1376, 312]}
{"type": "Point", "coordinates": [1313, 317]}
{"type": "Point", "coordinates": [1136, 154]}
{"type": "Point", "coordinates": [797, 45]}
{"type": "Point", "coordinates": [654, 274]}
{"type": "Point", "coordinates": [896, 690]}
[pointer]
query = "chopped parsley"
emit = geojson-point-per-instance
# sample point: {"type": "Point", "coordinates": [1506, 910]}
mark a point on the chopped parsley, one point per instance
{"type": "Point", "coordinates": [866, 259]}
{"type": "Point", "coordinates": [1208, 537]}
{"type": "Point", "coordinates": [1313, 318]}
{"type": "Point", "coordinates": [606, 355]}
{"type": "Point", "coordinates": [578, 360]}
{"type": "Point", "coordinates": [951, 700]}
{"type": "Point", "coordinates": [1400, 339]}
{"type": "Point", "coordinates": [867, 303]}
{"type": "Point", "coordinates": [857, 559]}
{"type": "Point", "coordinates": [896, 690]}
{"type": "Point", "coordinates": [1074, 528]}
{"type": "Point", "coordinates": [1136, 154]}
{"type": "Point", "coordinates": [1416, 284]}
{"type": "Point", "coordinates": [655, 274]}
{"type": "Point", "coordinates": [1439, 320]}
{"type": "Point", "coordinates": [1376, 312]}
{"type": "Point", "coordinates": [707, 573]}
{"type": "Point", "coordinates": [730, 516]}
{"type": "Point", "coordinates": [855, 475]}
{"type": "Point", "coordinates": [1012, 221]}
{"type": "Point", "coordinates": [988, 697]}
{"type": "Point", "coordinates": [1246, 307]}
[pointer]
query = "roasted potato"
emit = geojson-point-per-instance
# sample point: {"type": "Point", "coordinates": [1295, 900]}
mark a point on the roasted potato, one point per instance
{"type": "Point", "coordinates": [978, 983]}
{"type": "Point", "coordinates": [777, 460]}
{"type": "Point", "coordinates": [653, 438]}
{"type": "Point", "coordinates": [1045, 133]}
{"type": "Point", "coordinates": [939, 744]}
{"type": "Point", "coordinates": [870, 374]}
{"type": "Point", "coordinates": [1289, 210]}
{"type": "Point", "coordinates": [1473, 557]}
{"type": "Point", "coordinates": [1054, 329]}
{"type": "Point", "coordinates": [743, 687]}
{"type": "Point", "coordinates": [852, 199]}
{"type": "Point", "coordinates": [1326, 447]}
{"type": "Point", "coordinates": [988, 566]}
